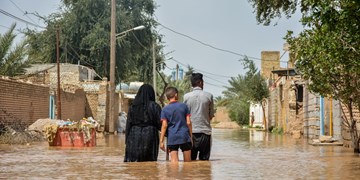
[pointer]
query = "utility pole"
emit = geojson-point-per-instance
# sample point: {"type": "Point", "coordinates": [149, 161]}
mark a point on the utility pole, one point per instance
{"type": "Point", "coordinates": [112, 68]}
{"type": "Point", "coordinates": [177, 71]}
{"type": "Point", "coordinates": [58, 74]}
{"type": "Point", "coordinates": [154, 66]}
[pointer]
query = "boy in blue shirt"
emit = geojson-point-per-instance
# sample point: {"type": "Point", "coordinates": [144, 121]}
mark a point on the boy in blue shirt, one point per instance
{"type": "Point", "coordinates": [175, 118]}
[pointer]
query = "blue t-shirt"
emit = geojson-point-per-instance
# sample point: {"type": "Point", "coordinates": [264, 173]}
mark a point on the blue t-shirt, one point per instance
{"type": "Point", "coordinates": [175, 114]}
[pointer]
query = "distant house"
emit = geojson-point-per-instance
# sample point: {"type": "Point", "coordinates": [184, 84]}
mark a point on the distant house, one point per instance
{"type": "Point", "coordinates": [127, 94]}
{"type": "Point", "coordinates": [69, 74]}
{"type": "Point", "coordinates": [81, 95]}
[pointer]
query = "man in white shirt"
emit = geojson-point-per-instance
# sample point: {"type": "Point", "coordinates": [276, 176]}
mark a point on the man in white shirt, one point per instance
{"type": "Point", "coordinates": [201, 106]}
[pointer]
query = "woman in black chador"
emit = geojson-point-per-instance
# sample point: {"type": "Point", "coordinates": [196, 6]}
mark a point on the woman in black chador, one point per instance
{"type": "Point", "coordinates": [142, 127]}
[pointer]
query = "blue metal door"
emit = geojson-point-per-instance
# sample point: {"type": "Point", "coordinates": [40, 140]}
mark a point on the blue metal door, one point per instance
{"type": "Point", "coordinates": [52, 107]}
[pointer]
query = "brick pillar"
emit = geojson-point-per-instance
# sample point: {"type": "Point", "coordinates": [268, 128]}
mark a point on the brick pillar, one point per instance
{"type": "Point", "coordinates": [270, 60]}
{"type": "Point", "coordinates": [101, 114]}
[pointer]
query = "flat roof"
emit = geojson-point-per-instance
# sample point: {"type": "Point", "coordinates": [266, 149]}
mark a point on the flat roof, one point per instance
{"type": "Point", "coordinates": [285, 72]}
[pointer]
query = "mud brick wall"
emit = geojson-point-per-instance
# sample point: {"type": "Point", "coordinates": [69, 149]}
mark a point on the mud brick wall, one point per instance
{"type": "Point", "coordinates": [345, 130]}
{"type": "Point", "coordinates": [273, 107]}
{"type": "Point", "coordinates": [91, 104]}
{"type": "Point", "coordinates": [270, 60]}
{"type": "Point", "coordinates": [22, 102]}
{"type": "Point", "coordinates": [73, 105]}
{"type": "Point", "coordinates": [221, 115]}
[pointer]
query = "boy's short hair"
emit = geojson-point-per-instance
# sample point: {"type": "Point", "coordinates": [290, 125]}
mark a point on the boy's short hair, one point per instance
{"type": "Point", "coordinates": [196, 78]}
{"type": "Point", "coordinates": [170, 92]}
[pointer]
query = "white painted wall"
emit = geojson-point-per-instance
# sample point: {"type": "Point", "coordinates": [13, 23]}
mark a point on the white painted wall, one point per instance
{"type": "Point", "coordinates": [258, 112]}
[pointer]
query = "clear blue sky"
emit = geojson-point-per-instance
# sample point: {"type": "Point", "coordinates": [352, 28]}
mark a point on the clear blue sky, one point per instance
{"type": "Point", "coordinates": [228, 25]}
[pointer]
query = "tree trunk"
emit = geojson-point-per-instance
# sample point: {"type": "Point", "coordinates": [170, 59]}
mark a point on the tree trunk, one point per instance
{"type": "Point", "coordinates": [353, 129]}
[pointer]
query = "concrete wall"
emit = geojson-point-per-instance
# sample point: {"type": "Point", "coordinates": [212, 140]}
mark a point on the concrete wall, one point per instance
{"type": "Point", "coordinates": [311, 114]}
{"type": "Point", "coordinates": [258, 113]}
{"type": "Point", "coordinates": [332, 116]}
{"type": "Point", "coordinates": [22, 102]}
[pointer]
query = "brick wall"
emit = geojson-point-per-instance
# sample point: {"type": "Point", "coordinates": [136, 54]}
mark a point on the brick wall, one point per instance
{"type": "Point", "coordinates": [97, 97]}
{"type": "Point", "coordinates": [91, 104]}
{"type": "Point", "coordinates": [273, 108]}
{"type": "Point", "coordinates": [283, 110]}
{"type": "Point", "coordinates": [73, 105]}
{"type": "Point", "coordinates": [345, 130]}
{"type": "Point", "coordinates": [23, 102]}
{"type": "Point", "coordinates": [270, 60]}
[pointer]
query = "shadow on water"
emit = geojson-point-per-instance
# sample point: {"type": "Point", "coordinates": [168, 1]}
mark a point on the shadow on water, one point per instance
{"type": "Point", "coordinates": [236, 154]}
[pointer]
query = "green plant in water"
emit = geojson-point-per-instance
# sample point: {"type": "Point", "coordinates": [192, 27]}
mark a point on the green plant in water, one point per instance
{"type": "Point", "coordinates": [277, 130]}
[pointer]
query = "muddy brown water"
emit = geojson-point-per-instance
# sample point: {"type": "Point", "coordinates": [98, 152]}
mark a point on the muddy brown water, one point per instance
{"type": "Point", "coordinates": [236, 154]}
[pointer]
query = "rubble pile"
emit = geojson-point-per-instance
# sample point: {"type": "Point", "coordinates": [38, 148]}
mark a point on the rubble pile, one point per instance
{"type": "Point", "coordinates": [17, 133]}
{"type": "Point", "coordinates": [43, 129]}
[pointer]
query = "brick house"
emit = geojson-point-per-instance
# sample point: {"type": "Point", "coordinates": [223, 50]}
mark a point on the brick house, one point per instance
{"type": "Point", "coordinates": [81, 95]}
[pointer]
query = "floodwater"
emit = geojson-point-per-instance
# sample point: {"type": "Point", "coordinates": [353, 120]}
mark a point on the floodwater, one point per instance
{"type": "Point", "coordinates": [236, 154]}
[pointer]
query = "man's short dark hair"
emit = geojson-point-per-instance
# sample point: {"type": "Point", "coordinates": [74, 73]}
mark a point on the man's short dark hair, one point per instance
{"type": "Point", "coordinates": [196, 78]}
{"type": "Point", "coordinates": [170, 92]}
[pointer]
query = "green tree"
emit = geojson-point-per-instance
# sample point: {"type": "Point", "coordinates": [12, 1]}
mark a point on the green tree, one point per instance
{"type": "Point", "coordinates": [183, 86]}
{"type": "Point", "coordinates": [243, 90]}
{"type": "Point", "coordinates": [235, 100]}
{"type": "Point", "coordinates": [257, 90]}
{"type": "Point", "coordinates": [12, 59]}
{"type": "Point", "coordinates": [85, 37]}
{"type": "Point", "coordinates": [327, 51]}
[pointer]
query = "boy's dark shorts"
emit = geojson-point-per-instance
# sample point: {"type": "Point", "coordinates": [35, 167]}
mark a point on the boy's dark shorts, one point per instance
{"type": "Point", "coordinates": [184, 147]}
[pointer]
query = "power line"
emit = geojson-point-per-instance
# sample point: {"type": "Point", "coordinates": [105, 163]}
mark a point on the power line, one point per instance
{"type": "Point", "coordinates": [211, 46]}
{"type": "Point", "coordinates": [201, 70]}
{"type": "Point", "coordinates": [22, 11]}
{"type": "Point", "coordinates": [214, 85]}
{"type": "Point", "coordinates": [5, 26]}
{"type": "Point", "coordinates": [19, 19]}
{"type": "Point", "coordinates": [216, 80]}
{"type": "Point", "coordinates": [218, 86]}
{"type": "Point", "coordinates": [139, 41]}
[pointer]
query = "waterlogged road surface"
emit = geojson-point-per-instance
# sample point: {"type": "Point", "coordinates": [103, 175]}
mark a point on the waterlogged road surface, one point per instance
{"type": "Point", "coordinates": [236, 154]}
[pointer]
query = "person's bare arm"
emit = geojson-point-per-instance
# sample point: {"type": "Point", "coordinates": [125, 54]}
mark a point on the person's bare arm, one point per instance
{"type": "Point", "coordinates": [189, 125]}
{"type": "Point", "coordinates": [162, 136]}
{"type": "Point", "coordinates": [211, 109]}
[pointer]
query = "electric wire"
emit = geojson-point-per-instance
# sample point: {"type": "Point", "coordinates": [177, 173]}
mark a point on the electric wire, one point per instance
{"type": "Point", "coordinates": [20, 19]}
{"type": "Point", "coordinates": [211, 46]}
{"type": "Point", "coordinates": [22, 11]}
{"type": "Point", "coordinates": [201, 70]}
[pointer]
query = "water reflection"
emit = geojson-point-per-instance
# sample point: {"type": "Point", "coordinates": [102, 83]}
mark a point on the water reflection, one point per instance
{"type": "Point", "coordinates": [236, 154]}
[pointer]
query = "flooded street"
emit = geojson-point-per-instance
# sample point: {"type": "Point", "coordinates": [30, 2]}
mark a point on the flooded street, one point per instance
{"type": "Point", "coordinates": [236, 154]}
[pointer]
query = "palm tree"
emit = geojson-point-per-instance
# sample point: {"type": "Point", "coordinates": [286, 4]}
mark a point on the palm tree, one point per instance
{"type": "Point", "coordinates": [12, 61]}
